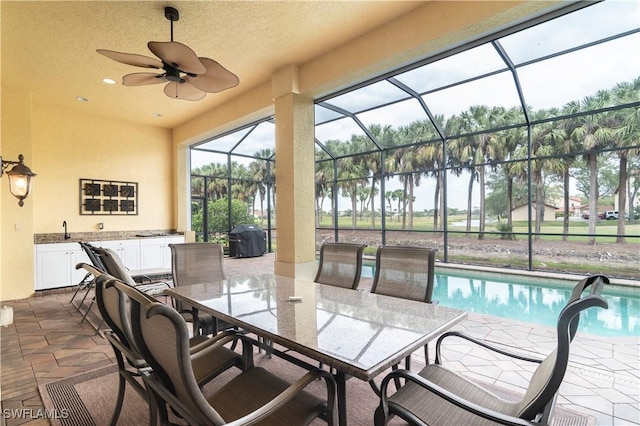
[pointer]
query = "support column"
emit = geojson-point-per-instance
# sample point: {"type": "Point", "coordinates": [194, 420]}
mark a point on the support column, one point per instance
{"type": "Point", "coordinates": [295, 177]}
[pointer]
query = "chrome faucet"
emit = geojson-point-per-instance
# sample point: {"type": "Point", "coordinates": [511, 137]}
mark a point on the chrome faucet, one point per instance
{"type": "Point", "coordinates": [66, 235]}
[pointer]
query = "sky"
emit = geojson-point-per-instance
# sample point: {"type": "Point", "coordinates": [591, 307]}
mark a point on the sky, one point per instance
{"type": "Point", "coordinates": [550, 83]}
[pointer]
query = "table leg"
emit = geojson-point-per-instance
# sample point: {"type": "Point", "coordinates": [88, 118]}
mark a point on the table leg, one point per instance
{"type": "Point", "coordinates": [342, 397]}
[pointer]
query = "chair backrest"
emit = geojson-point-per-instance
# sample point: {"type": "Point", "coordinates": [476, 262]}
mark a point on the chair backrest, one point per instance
{"type": "Point", "coordinates": [340, 264]}
{"type": "Point", "coordinates": [193, 263]}
{"type": "Point", "coordinates": [541, 393]}
{"type": "Point", "coordinates": [406, 272]}
{"type": "Point", "coordinates": [113, 265]}
{"type": "Point", "coordinates": [163, 337]}
{"type": "Point", "coordinates": [90, 250]}
{"type": "Point", "coordinates": [116, 312]}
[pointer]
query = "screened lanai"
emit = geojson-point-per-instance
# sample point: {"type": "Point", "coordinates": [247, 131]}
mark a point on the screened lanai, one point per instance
{"type": "Point", "coordinates": [520, 149]}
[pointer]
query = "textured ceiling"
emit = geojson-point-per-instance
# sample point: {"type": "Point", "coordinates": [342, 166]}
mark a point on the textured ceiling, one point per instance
{"type": "Point", "coordinates": [49, 47]}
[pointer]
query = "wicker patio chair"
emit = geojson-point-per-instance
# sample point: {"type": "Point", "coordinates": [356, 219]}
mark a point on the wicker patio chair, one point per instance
{"type": "Point", "coordinates": [209, 359]}
{"type": "Point", "coordinates": [194, 263]}
{"type": "Point", "coordinates": [437, 395]}
{"type": "Point", "coordinates": [340, 264]}
{"type": "Point", "coordinates": [254, 395]}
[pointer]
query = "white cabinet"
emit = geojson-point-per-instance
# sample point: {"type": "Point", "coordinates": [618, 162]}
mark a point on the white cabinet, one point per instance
{"type": "Point", "coordinates": [155, 252]}
{"type": "Point", "coordinates": [56, 265]}
{"type": "Point", "coordinates": [127, 250]}
{"type": "Point", "coordinates": [56, 262]}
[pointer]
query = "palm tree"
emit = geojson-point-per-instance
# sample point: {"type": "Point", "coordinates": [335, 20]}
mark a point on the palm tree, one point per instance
{"type": "Point", "coordinates": [593, 136]}
{"type": "Point", "coordinates": [372, 161]}
{"type": "Point", "coordinates": [565, 147]}
{"type": "Point", "coordinates": [479, 149]}
{"type": "Point", "coordinates": [258, 172]}
{"type": "Point", "coordinates": [217, 179]}
{"type": "Point", "coordinates": [431, 156]}
{"type": "Point", "coordinates": [404, 162]}
{"type": "Point", "coordinates": [350, 178]}
{"type": "Point", "coordinates": [515, 172]}
{"type": "Point", "coordinates": [627, 137]}
{"type": "Point", "coordinates": [324, 187]}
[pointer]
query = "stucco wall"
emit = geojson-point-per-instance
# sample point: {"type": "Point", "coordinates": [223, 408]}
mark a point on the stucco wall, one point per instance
{"type": "Point", "coordinates": [61, 148]}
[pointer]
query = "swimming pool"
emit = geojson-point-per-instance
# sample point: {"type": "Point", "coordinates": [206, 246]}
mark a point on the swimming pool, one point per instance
{"type": "Point", "coordinates": [533, 300]}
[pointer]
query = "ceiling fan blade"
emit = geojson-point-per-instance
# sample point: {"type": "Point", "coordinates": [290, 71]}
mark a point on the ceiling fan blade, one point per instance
{"type": "Point", "coordinates": [186, 91]}
{"type": "Point", "coordinates": [142, 79]}
{"type": "Point", "coordinates": [216, 79]}
{"type": "Point", "coordinates": [178, 56]}
{"type": "Point", "coordinates": [131, 59]}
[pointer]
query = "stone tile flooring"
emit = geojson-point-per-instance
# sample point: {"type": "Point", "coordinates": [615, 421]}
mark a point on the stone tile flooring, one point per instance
{"type": "Point", "coordinates": [47, 342]}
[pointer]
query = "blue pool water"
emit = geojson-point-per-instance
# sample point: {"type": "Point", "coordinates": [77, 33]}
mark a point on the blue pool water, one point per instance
{"type": "Point", "coordinates": [533, 300]}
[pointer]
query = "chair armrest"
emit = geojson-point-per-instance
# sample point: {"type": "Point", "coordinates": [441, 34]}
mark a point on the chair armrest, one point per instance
{"type": "Point", "coordinates": [134, 360]}
{"type": "Point", "coordinates": [89, 268]}
{"type": "Point", "coordinates": [214, 339]}
{"type": "Point", "coordinates": [288, 394]}
{"type": "Point", "coordinates": [482, 343]}
{"type": "Point", "coordinates": [447, 395]}
{"type": "Point", "coordinates": [221, 339]}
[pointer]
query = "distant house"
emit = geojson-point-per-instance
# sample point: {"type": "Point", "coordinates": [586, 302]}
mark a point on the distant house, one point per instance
{"type": "Point", "coordinates": [575, 206]}
{"type": "Point", "coordinates": [521, 212]}
{"type": "Point", "coordinates": [616, 200]}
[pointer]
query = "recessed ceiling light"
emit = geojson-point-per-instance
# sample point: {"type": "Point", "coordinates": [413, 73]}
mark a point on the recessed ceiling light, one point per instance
{"type": "Point", "coordinates": [81, 99]}
{"type": "Point", "coordinates": [108, 81]}
{"type": "Point", "coordinates": [156, 114]}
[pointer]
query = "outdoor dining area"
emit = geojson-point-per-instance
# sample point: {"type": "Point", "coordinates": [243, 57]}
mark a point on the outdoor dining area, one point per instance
{"type": "Point", "coordinates": [207, 348]}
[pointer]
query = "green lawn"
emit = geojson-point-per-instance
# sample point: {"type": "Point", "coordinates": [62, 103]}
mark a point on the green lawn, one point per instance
{"type": "Point", "coordinates": [576, 228]}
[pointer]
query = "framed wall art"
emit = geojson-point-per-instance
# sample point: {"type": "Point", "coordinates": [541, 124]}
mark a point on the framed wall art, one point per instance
{"type": "Point", "coordinates": [108, 197]}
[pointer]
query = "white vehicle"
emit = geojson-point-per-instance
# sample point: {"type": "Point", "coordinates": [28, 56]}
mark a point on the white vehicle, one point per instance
{"type": "Point", "coordinates": [611, 214]}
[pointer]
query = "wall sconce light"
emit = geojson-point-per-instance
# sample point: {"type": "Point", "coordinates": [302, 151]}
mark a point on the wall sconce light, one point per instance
{"type": "Point", "coordinates": [19, 178]}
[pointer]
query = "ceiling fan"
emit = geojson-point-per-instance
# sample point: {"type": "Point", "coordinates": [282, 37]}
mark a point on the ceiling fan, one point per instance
{"type": "Point", "coordinates": [188, 76]}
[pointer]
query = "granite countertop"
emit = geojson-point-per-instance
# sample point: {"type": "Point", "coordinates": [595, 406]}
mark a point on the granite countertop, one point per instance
{"type": "Point", "coordinates": [58, 237]}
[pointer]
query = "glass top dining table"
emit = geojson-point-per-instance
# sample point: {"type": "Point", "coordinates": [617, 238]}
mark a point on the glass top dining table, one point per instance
{"type": "Point", "coordinates": [357, 333]}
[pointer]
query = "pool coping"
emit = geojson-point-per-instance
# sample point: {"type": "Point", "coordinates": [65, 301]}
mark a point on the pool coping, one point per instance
{"type": "Point", "coordinates": [564, 276]}
{"type": "Point", "coordinates": [538, 274]}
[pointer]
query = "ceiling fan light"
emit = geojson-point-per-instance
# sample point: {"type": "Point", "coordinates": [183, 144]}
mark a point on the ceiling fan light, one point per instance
{"type": "Point", "coordinates": [185, 91]}
{"type": "Point", "coordinates": [173, 74]}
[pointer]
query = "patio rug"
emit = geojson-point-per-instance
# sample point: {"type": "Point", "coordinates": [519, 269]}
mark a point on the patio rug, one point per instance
{"type": "Point", "coordinates": [88, 399]}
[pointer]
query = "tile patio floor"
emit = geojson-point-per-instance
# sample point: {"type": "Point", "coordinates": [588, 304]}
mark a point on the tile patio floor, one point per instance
{"type": "Point", "coordinates": [47, 342]}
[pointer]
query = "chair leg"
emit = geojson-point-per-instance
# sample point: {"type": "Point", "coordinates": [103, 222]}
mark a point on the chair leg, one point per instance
{"type": "Point", "coordinates": [81, 284]}
{"type": "Point", "coordinates": [378, 417]}
{"type": "Point", "coordinates": [396, 380]}
{"type": "Point", "coordinates": [86, 293]}
{"type": "Point", "coordinates": [154, 411]}
{"type": "Point", "coordinates": [266, 342]}
{"type": "Point", "coordinates": [98, 328]}
{"type": "Point", "coordinates": [84, 316]}
{"type": "Point", "coordinates": [122, 383]}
